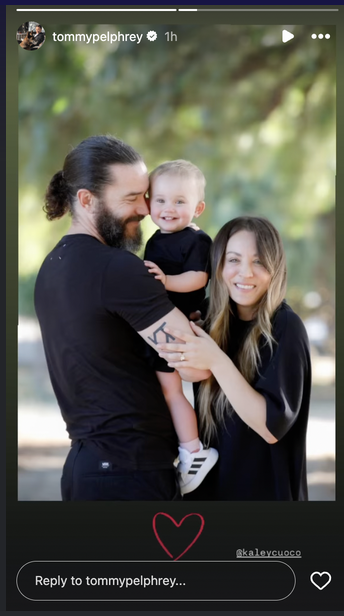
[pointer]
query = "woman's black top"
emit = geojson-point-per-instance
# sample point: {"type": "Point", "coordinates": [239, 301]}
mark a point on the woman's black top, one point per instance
{"type": "Point", "coordinates": [248, 467]}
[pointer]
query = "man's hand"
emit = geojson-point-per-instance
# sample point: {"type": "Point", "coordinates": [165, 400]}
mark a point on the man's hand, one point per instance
{"type": "Point", "coordinates": [158, 273]}
{"type": "Point", "coordinates": [193, 226]}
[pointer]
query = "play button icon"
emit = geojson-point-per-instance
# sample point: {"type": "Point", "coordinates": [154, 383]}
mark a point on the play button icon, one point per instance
{"type": "Point", "coordinates": [286, 36]}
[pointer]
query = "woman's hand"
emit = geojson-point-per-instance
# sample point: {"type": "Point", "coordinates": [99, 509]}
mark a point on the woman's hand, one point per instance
{"type": "Point", "coordinates": [200, 352]}
{"type": "Point", "coordinates": [158, 273]}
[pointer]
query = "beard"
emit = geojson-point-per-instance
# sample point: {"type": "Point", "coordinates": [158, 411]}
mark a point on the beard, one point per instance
{"type": "Point", "coordinates": [114, 230]}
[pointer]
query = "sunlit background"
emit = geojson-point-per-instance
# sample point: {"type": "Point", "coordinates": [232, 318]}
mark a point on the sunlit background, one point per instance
{"type": "Point", "coordinates": [257, 116]}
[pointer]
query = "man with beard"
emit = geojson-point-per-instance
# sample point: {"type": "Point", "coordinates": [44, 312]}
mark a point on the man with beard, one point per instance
{"type": "Point", "coordinates": [96, 304]}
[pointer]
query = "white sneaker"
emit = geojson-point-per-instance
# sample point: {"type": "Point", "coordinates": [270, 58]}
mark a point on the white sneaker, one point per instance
{"type": "Point", "coordinates": [193, 467]}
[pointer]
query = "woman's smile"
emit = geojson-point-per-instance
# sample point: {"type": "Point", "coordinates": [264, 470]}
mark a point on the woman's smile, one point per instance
{"type": "Point", "coordinates": [244, 287]}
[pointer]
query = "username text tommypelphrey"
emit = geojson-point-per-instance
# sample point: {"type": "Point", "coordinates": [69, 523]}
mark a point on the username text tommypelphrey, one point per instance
{"type": "Point", "coordinates": [105, 37]}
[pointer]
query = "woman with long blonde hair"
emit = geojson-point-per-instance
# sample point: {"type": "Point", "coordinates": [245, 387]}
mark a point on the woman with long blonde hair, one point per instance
{"type": "Point", "coordinates": [253, 408]}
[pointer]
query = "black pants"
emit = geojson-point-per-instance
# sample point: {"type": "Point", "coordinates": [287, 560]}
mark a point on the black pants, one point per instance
{"type": "Point", "coordinates": [85, 477]}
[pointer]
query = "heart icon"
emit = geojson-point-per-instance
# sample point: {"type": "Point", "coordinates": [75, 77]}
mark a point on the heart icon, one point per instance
{"type": "Point", "coordinates": [321, 584]}
{"type": "Point", "coordinates": [177, 526]}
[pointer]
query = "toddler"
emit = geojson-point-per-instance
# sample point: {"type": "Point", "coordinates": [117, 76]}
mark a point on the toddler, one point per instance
{"type": "Point", "coordinates": [178, 255]}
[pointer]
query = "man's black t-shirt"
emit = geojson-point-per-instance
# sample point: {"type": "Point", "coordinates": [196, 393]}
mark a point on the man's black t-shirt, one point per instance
{"type": "Point", "coordinates": [248, 467]}
{"type": "Point", "coordinates": [90, 299]}
{"type": "Point", "coordinates": [179, 252]}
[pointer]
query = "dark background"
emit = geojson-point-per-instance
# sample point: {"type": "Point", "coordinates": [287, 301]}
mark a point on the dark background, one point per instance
{"type": "Point", "coordinates": [121, 531]}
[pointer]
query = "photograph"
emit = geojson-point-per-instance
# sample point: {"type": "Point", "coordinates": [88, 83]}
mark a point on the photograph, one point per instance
{"type": "Point", "coordinates": [176, 327]}
{"type": "Point", "coordinates": [30, 35]}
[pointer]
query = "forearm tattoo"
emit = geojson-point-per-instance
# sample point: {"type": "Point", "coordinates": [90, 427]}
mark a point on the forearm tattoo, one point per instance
{"type": "Point", "coordinates": [168, 337]}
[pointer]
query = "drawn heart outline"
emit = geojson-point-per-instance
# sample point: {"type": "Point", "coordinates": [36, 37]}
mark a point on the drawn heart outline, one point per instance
{"type": "Point", "coordinates": [178, 526]}
{"type": "Point", "coordinates": [328, 575]}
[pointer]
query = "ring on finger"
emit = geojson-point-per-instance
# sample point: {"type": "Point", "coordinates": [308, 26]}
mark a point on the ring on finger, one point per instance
{"type": "Point", "coordinates": [182, 357]}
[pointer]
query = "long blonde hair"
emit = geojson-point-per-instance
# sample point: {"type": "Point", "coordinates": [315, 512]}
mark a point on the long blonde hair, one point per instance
{"type": "Point", "coordinates": [212, 401]}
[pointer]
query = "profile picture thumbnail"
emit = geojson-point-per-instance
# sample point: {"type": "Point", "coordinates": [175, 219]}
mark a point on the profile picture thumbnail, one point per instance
{"type": "Point", "coordinates": [30, 35]}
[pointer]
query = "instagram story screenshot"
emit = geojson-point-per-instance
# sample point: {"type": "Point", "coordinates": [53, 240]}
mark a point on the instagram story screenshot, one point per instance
{"type": "Point", "coordinates": [172, 348]}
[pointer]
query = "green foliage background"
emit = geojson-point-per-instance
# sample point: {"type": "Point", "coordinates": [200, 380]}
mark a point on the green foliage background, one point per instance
{"type": "Point", "coordinates": [257, 116]}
